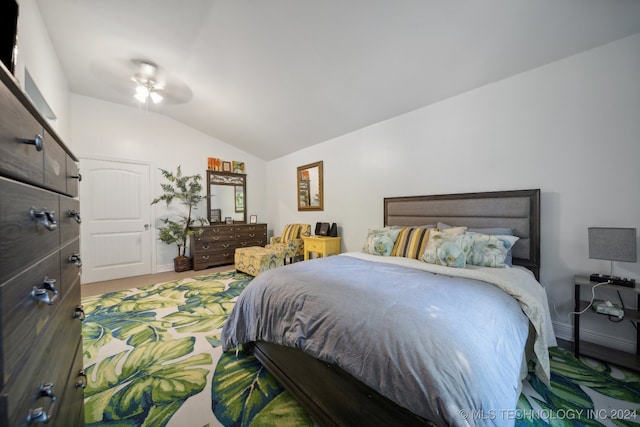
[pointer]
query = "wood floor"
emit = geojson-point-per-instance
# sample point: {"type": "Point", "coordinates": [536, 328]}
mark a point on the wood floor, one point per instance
{"type": "Point", "coordinates": [99, 288]}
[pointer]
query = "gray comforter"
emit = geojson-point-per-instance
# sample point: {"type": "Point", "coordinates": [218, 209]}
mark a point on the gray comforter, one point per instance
{"type": "Point", "coordinates": [448, 349]}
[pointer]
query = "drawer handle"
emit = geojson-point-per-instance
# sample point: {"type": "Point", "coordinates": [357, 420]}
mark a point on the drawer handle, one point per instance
{"type": "Point", "coordinates": [216, 238]}
{"type": "Point", "coordinates": [45, 217]}
{"type": "Point", "coordinates": [226, 246]}
{"type": "Point", "coordinates": [37, 141]}
{"type": "Point", "coordinates": [204, 248]}
{"type": "Point", "coordinates": [42, 294]}
{"type": "Point", "coordinates": [75, 215]}
{"type": "Point", "coordinates": [40, 415]}
{"type": "Point", "coordinates": [78, 177]}
{"type": "Point", "coordinates": [78, 313]}
{"type": "Point", "coordinates": [205, 257]}
{"type": "Point", "coordinates": [81, 382]}
{"type": "Point", "coordinates": [226, 254]}
{"type": "Point", "coordinates": [75, 260]}
{"type": "Point", "coordinates": [252, 235]}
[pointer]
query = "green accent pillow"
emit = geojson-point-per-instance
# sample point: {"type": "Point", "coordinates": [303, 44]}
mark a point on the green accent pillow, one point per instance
{"type": "Point", "coordinates": [381, 241]}
{"type": "Point", "coordinates": [448, 249]}
{"type": "Point", "coordinates": [490, 250]}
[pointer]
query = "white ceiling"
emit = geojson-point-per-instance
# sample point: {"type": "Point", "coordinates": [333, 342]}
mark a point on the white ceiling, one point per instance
{"type": "Point", "coordinates": [274, 76]}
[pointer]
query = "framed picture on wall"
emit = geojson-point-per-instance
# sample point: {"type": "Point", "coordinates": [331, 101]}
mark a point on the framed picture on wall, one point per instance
{"type": "Point", "coordinates": [226, 166]}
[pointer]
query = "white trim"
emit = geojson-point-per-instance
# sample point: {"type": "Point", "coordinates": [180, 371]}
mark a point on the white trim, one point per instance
{"type": "Point", "coordinates": [564, 331]}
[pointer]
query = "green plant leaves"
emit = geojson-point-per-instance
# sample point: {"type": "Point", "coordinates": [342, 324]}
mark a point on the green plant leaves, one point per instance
{"type": "Point", "coordinates": [153, 364]}
{"type": "Point", "coordinates": [146, 380]}
{"type": "Point", "coordinates": [243, 393]}
{"type": "Point", "coordinates": [568, 399]}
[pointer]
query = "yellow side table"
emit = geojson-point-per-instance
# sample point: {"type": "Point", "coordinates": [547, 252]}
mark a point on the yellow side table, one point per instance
{"type": "Point", "coordinates": [322, 245]}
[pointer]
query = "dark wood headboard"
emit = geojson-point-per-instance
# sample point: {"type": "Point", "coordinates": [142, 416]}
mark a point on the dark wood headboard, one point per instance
{"type": "Point", "coordinates": [518, 210]}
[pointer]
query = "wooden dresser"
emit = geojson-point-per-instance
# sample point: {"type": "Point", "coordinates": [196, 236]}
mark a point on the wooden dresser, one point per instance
{"type": "Point", "coordinates": [217, 243]}
{"type": "Point", "coordinates": [41, 378]}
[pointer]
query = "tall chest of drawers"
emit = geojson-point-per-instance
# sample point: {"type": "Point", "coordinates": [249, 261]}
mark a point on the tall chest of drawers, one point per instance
{"type": "Point", "coordinates": [216, 244]}
{"type": "Point", "coordinates": [41, 379]}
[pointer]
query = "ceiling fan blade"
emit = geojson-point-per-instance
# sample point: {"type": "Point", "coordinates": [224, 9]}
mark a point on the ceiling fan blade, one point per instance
{"type": "Point", "coordinates": [123, 75]}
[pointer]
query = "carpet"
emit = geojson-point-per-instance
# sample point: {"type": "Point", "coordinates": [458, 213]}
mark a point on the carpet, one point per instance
{"type": "Point", "coordinates": [152, 357]}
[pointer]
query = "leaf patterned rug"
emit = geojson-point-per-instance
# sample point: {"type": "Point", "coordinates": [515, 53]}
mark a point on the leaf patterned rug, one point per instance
{"type": "Point", "coordinates": [152, 357]}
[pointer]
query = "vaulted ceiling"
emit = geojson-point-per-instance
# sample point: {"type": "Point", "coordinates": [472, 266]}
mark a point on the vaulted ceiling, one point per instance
{"type": "Point", "coordinates": [275, 76]}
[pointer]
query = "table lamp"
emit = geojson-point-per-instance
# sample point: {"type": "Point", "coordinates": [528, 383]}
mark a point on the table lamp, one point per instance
{"type": "Point", "coordinates": [613, 244]}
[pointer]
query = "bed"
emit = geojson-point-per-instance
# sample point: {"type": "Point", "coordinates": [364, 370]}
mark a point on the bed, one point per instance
{"type": "Point", "coordinates": [456, 349]}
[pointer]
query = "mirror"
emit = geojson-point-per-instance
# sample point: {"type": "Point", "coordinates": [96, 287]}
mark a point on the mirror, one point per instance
{"type": "Point", "coordinates": [310, 195]}
{"type": "Point", "coordinates": [226, 197]}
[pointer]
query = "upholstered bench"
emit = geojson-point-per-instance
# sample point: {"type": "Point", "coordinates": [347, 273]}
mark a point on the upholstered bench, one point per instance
{"type": "Point", "coordinates": [256, 259]}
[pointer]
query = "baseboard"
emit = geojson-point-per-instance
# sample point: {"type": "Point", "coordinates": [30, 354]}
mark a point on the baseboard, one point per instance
{"type": "Point", "coordinates": [565, 332]}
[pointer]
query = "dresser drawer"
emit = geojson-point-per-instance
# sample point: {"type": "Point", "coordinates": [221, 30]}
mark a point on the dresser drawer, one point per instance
{"type": "Point", "coordinates": [19, 160]}
{"type": "Point", "coordinates": [48, 362]}
{"type": "Point", "coordinates": [201, 261]}
{"type": "Point", "coordinates": [55, 164]}
{"type": "Point", "coordinates": [70, 264]}
{"type": "Point", "coordinates": [251, 232]}
{"type": "Point", "coordinates": [71, 413]}
{"type": "Point", "coordinates": [209, 247]}
{"type": "Point", "coordinates": [251, 235]}
{"type": "Point", "coordinates": [69, 219]}
{"type": "Point", "coordinates": [216, 234]}
{"type": "Point", "coordinates": [73, 176]}
{"type": "Point", "coordinates": [23, 239]}
{"type": "Point", "coordinates": [23, 319]}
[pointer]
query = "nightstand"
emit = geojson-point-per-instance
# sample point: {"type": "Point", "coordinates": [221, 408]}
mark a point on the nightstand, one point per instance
{"type": "Point", "coordinates": [606, 354]}
{"type": "Point", "coordinates": [322, 245]}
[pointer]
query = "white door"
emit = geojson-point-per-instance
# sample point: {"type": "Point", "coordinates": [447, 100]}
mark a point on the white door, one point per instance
{"type": "Point", "coordinates": [115, 235]}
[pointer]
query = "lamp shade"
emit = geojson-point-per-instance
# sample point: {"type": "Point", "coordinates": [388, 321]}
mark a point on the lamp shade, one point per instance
{"type": "Point", "coordinates": [614, 244]}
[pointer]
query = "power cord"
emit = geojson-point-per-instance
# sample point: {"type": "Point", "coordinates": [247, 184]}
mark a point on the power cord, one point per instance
{"type": "Point", "coordinates": [593, 297]}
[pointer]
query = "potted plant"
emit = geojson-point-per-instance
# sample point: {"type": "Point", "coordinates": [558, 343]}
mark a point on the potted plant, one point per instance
{"type": "Point", "coordinates": [186, 190]}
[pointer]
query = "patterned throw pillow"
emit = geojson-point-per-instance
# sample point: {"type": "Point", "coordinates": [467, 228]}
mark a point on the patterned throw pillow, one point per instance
{"type": "Point", "coordinates": [290, 232]}
{"type": "Point", "coordinates": [411, 242]}
{"type": "Point", "coordinates": [448, 249]}
{"type": "Point", "coordinates": [381, 241]}
{"type": "Point", "coordinates": [490, 250]}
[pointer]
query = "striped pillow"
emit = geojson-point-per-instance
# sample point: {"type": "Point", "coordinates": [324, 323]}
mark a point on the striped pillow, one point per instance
{"type": "Point", "coordinates": [411, 242]}
{"type": "Point", "coordinates": [291, 231]}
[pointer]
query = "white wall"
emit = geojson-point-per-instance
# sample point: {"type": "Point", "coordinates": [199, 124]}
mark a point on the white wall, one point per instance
{"type": "Point", "coordinates": [115, 131]}
{"type": "Point", "coordinates": [570, 128]}
{"type": "Point", "coordinates": [37, 55]}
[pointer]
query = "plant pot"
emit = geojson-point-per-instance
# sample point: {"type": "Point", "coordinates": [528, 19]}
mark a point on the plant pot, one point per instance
{"type": "Point", "coordinates": [182, 263]}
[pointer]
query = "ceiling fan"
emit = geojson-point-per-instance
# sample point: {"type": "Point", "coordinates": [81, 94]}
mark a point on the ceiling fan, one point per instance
{"type": "Point", "coordinates": [148, 85]}
{"type": "Point", "coordinates": [142, 80]}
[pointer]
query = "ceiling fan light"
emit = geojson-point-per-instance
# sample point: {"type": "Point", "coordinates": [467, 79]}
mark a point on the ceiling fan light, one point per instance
{"type": "Point", "coordinates": [141, 93]}
{"type": "Point", "coordinates": [155, 96]}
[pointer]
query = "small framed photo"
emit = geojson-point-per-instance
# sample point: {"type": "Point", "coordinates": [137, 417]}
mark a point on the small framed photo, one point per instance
{"type": "Point", "coordinates": [226, 166]}
{"type": "Point", "coordinates": [238, 167]}
{"type": "Point", "coordinates": [216, 215]}
{"type": "Point", "coordinates": [213, 163]}
{"type": "Point", "coordinates": [228, 220]}
{"type": "Point", "coordinates": [253, 219]}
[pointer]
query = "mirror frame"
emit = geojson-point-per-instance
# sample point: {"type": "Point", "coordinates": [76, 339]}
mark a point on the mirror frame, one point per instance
{"type": "Point", "coordinates": [229, 179]}
{"type": "Point", "coordinates": [318, 165]}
